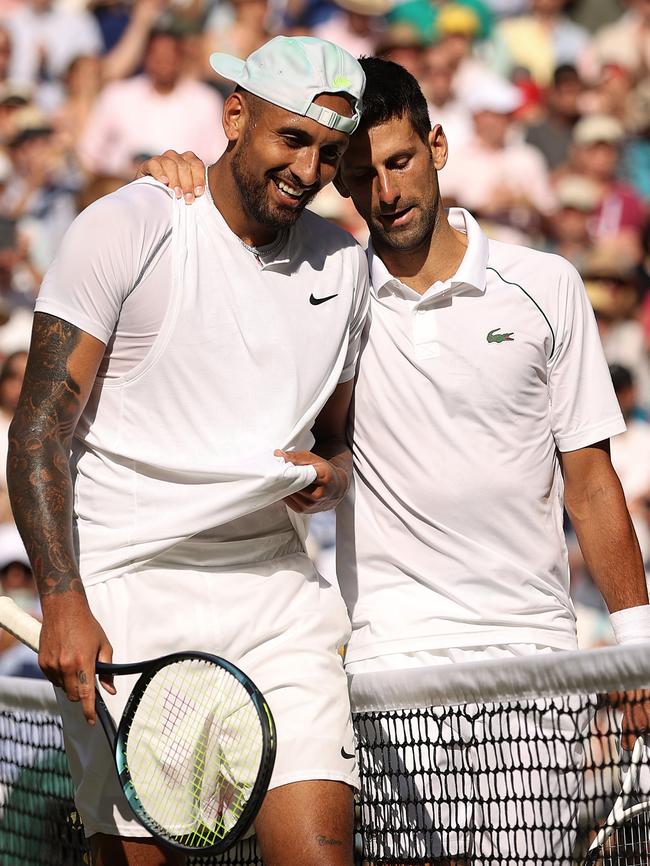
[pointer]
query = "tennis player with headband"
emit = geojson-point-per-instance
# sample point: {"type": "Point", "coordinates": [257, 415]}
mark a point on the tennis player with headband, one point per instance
{"type": "Point", "coordinates": [199, 363]}
{"type": "Point", "coordinates": [483, 403]}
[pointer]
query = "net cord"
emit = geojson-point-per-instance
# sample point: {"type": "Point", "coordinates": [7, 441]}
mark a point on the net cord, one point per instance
{"type": "Point", "coordinates": [28, 694]}
{"type": "Point", "coordinates": [545, 675]}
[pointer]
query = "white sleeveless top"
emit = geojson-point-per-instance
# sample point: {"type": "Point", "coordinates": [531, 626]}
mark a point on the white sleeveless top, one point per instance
{"type": "Point", "coordinates": [245, 356]}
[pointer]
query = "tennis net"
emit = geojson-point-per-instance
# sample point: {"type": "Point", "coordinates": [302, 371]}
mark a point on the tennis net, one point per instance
{"type": "Point", "coordinates": [515, 763]}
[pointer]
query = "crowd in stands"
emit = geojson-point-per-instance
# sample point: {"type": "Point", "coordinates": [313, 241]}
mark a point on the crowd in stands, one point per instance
{"type": "Point", "coordinates": [546, 105]}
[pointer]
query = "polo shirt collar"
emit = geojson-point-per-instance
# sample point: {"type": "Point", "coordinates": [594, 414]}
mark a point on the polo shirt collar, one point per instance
{"type": "Point", "coordinates": [471, 272]}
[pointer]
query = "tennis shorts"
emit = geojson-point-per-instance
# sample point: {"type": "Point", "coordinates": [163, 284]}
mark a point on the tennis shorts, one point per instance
{"type": "Point", "coordinates": [279, 621]}
{"type": "Point", "coordinates": [498, 784]}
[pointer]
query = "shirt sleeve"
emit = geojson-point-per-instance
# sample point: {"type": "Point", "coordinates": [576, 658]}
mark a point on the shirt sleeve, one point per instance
{"type": "Point", "coordinates": [584, 408]}
{"type": "Point", "coordinates": [102, 257]}
{"type": "Point", "coordinates": [359, 313]}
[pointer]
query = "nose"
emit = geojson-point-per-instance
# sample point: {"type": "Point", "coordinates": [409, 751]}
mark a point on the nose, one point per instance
{"type": "Point", "coordinates": [306, 166]}
{"type": "Point", "coordinates": [388, 190]}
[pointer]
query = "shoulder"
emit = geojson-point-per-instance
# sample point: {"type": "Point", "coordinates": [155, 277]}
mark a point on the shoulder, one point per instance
{"type": "Point", "coordinates": [514, 262]}
{"type": "Point", "coordinates": [133, 217]}
{"type": "Point", "coordinates": [549, 280]}
{"type": "Point", "coordinates": [141, 199]}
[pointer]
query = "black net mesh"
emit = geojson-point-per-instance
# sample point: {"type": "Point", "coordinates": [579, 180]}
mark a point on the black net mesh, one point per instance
{"type": "Point", "coordinates": [519, 783]}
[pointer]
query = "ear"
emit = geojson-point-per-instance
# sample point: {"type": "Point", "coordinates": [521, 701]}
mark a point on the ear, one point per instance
{"type": "Point", "coordinates": [438, 146]}
{"type": "Point", "coordinates": [235, 116]}
{"type": "Point", "coordinates": [341, 188]}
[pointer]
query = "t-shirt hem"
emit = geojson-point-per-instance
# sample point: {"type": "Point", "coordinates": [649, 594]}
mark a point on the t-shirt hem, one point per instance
{"type": "Point", "coordinates": [486, 637]}
{"type": "Point", "coordinates": [604, 430]}
{"type": "Point", "coordinates": [73, 317]}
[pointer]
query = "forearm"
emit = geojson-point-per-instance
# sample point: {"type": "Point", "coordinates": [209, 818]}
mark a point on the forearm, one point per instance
{"type": "Point", "coordinates": [608, 542]}
{"type": "Point", "coordinates": [40, 489]}
{"type": "Point", "coordinates": [40, 436]}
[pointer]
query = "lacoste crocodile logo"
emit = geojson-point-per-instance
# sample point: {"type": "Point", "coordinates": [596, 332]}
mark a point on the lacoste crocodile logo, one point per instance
{"type": "Point", "coordinates": [493, 337]}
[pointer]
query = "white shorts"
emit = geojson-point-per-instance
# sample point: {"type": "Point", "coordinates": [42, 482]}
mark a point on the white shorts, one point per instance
{"type": "Point", "coordinates": [278, 621]}
{"type": "Point", "coordinates": [497, 783]}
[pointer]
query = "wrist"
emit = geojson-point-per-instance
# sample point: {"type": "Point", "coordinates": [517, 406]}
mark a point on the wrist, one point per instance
{"type": "Point", "coordinates": [631, 624]}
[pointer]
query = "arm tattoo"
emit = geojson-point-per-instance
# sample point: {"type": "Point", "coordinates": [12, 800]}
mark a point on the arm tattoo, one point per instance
{"type": "Point", "coordinates": [38, 472]}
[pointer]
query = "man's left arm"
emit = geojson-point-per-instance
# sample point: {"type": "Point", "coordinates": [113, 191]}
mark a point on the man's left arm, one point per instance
{"type": "Point", "coordinates": [331, 456]}
{"type": "Point", "coordinates": [595, 503]}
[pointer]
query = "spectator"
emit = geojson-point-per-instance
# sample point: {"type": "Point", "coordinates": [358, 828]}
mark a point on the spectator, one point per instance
{"type": "Point", "coordinates": [82, 83]}
{"type": "Point", "coordinates": [151, 112]}
{"type": "Point", "coordinates": [17, 581]}
{"type": "Point", "coordinates": [46, 37]}
{"type": "Point", "coordinates": [41, 191]}
{"type": "Point", "coordinates": [357, 27]}
{"type": "Point", "coordinates": [597, 143]}
{"type": "Point", "coordinates": [445, 108]}
{"type": "Point", "coordinates": [612, 285]}
{"type": "Point", "coordinates": [552, 136]}
{"type": "Point", "coordinates": [404, 44]}
{"type": "Point", "coordinates": [12, 374]}
{"type": "Point", "coordinates": [247, 30]}
{"type": "Point", "coordinates": [544, 39]}
{"type": "Point", "coordinates": [495, 175]}
{"type": "Point", "coordinates": [12, 98]}
{"type": "Point", "coordinates": [625, 42]}
{"type": "Point", "coordinates": [568, 228]}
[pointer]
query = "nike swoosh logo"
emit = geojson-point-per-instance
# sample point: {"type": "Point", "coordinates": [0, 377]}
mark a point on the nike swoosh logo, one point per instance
{"type": "Point", "coordinates": [345, 754]}
{"type": "Point", "coordinates": [317, 301]}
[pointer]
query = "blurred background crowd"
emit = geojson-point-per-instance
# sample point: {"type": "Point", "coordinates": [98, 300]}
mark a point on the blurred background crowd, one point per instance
{"type": "Point", "coordinates": [546, 106]}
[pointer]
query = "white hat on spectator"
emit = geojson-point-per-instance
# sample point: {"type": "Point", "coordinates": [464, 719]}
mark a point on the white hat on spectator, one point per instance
{"type": "Point", "coordinates": [12, 548]}
{"type": "Point", "coordinates": [496, 95]}
{"type": "Point", "coordinates": [598, 129]}
{"type": "Point", "coordinates": [576, 191]}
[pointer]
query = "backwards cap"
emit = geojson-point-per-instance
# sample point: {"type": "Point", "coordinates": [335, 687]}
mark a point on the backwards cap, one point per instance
{"type": "Point", "coordinates": [291, 71]}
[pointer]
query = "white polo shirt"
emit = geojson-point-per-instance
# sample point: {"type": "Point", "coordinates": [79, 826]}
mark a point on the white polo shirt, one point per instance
{"type": "Point", "coordinates": [452, 535]}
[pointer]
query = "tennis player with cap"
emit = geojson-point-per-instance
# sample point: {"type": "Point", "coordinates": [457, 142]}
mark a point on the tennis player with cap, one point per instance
{"type": "Point", "coordinates": [199, 363]}
{"type": "Point", "coordinates": [482, 404]}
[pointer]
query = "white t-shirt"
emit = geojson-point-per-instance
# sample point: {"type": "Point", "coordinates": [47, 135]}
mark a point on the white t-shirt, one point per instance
{"type": "Point", "coordinates": [452, 535]}
{"type": "Point", "coordinates": [215, 357]}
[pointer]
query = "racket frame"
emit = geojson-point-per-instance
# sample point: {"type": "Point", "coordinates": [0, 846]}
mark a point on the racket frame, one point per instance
{"type": "Point", "coordinates": [118, 739]}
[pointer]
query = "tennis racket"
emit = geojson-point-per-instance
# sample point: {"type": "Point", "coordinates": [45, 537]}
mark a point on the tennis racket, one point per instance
{"type": "Point", "coordinates": [194, 749]}
{"type": "Point", "coordinates": [624, 839]}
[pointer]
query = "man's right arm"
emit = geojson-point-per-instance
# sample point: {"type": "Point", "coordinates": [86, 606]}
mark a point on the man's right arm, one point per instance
{"type": "Point", "coordinates": [62, 366]}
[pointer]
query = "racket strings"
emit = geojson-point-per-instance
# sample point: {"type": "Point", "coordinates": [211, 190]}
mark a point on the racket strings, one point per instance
{"type": "Point", "coordinates": [629, 844]}
{"type": "Point", "coordinates": [193, 751]}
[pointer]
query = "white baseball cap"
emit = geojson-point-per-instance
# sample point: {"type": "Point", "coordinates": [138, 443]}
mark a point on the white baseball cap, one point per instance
{"type": "Point", "coordinates": [291, 71]}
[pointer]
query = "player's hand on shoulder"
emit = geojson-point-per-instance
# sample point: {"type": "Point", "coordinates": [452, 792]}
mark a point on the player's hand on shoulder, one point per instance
{"type": "Point", "coordinates": [330, 486]}
{"type": "Point", "coordinates": [71, 642]}
{"type": "Point", "coordinates": [182, 172]}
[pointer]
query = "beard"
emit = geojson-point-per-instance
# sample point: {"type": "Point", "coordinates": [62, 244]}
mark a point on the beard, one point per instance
{"type": "Point", "coordinates": [412, 236]}
{"type": "Point", "coordinates": [255, 197]}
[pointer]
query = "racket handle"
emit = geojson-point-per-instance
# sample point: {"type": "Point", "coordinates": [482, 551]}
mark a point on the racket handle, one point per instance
{"type": "Point", "coordinates": [26, 628]}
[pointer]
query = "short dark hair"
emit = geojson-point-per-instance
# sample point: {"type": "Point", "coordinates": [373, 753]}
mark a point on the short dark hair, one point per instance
{"type": "Point", "coordinates": [563, 73]}
{"type": "Point", "coordinates": [392, 92]}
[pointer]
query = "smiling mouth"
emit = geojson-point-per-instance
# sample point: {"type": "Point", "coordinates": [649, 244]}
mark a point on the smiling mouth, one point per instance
{"type": "Point", "coordinates": [289, 191]}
